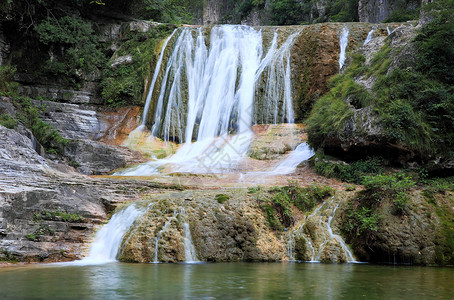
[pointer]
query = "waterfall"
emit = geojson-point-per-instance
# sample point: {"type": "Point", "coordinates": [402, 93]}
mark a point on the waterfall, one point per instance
{"type": "Point", "coordinates": [388, 30]}
{"type": "Point", "coordinates": [189, 249]}
{"type": "Point", "coordinates": [109, 238]}
{"type": "Point", "coordinates": [209, 95]}
{"type": "Point", "coordinates": [343, 41]}
{"type": "Point", "coordinates": [153, 81]}
{"type": "Point", "coordinates": [159, 234]}
{"type": "Point", "coordinates": [316, 242]}
{"type": "Point", "coordinates": [369, 36]}
{"type": "Point", "coordinates": [288, 165]}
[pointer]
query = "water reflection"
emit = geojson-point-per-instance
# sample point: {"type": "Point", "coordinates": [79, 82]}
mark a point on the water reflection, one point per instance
{"type": "Point", "coordinates": [226, 281]}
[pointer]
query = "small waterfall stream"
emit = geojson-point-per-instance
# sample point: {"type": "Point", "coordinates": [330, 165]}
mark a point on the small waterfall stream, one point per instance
{"type": "Point", "coordinates": [109, 238]}
{"type": "Point", "coordinates": [343, 41]}
{"type": "Point", "coordinates": [369, 36]}
{"type": "Point", "coordinates": [317, 232]}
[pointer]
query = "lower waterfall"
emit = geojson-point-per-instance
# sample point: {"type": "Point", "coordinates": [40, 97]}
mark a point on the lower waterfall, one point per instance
{"type": "Point", "coordinates": [321, 244]}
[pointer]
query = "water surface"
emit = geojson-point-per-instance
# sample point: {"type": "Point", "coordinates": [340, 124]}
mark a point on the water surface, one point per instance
{"type": "Point", "coordinates": [226, 281]}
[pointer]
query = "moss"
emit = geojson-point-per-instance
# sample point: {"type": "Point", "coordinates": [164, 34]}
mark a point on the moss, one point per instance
{"type": "Point", "coordinates": [221, 198]}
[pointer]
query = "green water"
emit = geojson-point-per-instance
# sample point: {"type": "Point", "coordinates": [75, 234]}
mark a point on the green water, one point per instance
{"type": "Point", "coordinates": [226, 281]}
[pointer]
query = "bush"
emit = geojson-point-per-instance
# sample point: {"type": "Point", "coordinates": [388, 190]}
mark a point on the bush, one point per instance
{"type": "Point", "coordinates": [221, 198]}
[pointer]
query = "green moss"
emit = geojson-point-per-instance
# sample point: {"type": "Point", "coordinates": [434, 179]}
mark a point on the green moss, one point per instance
{"type": "Point", "coordinates": [221, 198]}
{"type": "Point", "coordinates": [58, 216]}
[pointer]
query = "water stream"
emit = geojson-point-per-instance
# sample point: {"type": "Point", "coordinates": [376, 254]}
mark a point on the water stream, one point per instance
{"type": "Point", "coordinates": [369, 36]}
{"type": "Point", "coordinates": [320, 235]}
{"type": "Point", "coordinates": [343, 41]}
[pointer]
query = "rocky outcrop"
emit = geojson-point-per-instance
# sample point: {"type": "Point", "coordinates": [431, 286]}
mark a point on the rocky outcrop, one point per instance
{"type": "Point", "coordinates": [231, 231]}
{"type": "Point", "coordinates": [48, 212]}
{"type": "Point", "coordinates": [419, 235]}
{"type": "Point", "coordinates": [375, 11]}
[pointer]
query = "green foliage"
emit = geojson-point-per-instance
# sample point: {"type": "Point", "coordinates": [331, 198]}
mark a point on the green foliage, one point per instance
{"type": "Point", "coordinates": [434, 42]}
{"type": "Point", "coordinates": [7, 85]}
{"type": "Point", "coordinates": [42, 230]}
{"type": "Point", "coordinates": [413, 102]}
{"type": "Point", "coordinates": [402, 15]}
{"type": "Point", "coordinates": [45, 133]}
{"type": "Point", "coordinates": [8, 121]}
{"type": "Point", "coordinates": [279, 208]}
{"type": "Point", "coordinates": [6, 255]}
{"type": "Point", "coordinates": [395, 186]}
{"type": "Point", "coordinates": [75, 44]}
{"type": "Point", "coordinates": [353, 172]}
{"type": "Point", "coordinates": [221, 198]}
{"type": "Point", "coordinates": [360, 221]}
{"type": "Point", "coordinates": [124, 84]}
{"type": "Point", "coordinates": [285, 12]}
{"type": "Point", "coordinates": [58, 216]}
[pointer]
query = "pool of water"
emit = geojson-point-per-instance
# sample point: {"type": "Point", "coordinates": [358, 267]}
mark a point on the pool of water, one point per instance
{"type": "Point", "coordinates": [226, 281]}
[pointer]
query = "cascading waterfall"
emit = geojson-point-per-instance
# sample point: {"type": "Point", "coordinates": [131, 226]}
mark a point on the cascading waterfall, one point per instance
{"type": "Point", "coordinates": [208, 96]}
{"type": "Point", "coordinates": [288, 165]}
{"type": "Point", "coordinates": [108, 239]}
{"type": "Point", "coordinates": [388, 30]}
{"type": "Point", "coordinates": [343, 41]}
{"type": "Point", "coordinates": [189, 249]}
{"type": "Point", "coordinates": [159, 234]}
{"type": "Point", "coordinates": [317, 242]}
{"type": "Point", "coordinates": [155, 77]}
{"type": "Point", "coordinates": [369, 36]}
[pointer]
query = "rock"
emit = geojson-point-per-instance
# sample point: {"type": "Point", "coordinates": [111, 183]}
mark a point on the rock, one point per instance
{"type": "Point", "coordinates": [233, 231]}
{"type": "Point", "coordinates": [96, 158]}
{"type": "Point", "coordinates": [375, 11]}
{"type": "Point", "coordinates": [122, 60]}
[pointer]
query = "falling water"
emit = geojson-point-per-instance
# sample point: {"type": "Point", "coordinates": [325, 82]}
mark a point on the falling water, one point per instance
{"type": "Point", "coordinates": [208, 95]}
{"type": "Point", "coordinates": [108, 240]}
{"type": "Point", "coordinates": [343, 41]}
{"type": "Point", "coordinates": [155, 77]}
{"type": "Point", "coordinates": [288, 165]}
{"type": "Point", "coordinates": [158, 236]}
{"type": "Point", "coordinates": [316, 244]}
{"type": "Point", "coordinates": [369, 36]}
{"type": "Point", "coordinates": [189, 249]}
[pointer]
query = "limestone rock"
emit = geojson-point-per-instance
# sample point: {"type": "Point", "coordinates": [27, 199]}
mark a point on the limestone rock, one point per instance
{"type": "Point", "coordinates": [96, 158]}
{"type": "Point", "coordinates": [122, 60]}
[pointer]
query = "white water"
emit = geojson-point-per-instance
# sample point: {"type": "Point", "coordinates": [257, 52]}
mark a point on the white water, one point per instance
{"type": "Point", "coordinates": [208, 95]}
{"type": "Point", "coordinates": [322, 236]}
{"type": "Point", "coordinates": [189, 249]}
{"type": "Point", "coordinates": [288, 165]}
{"type": "Point", "coordinates": [108, 239]}
{"type": "Point", "coordinates": [153, 81]}
{"type": "Point", "coordinates": [369, 37]}
{"type": "Point", "coordinates": [388, 30]}
{"type": "Point", "coordinates": [343, 41]}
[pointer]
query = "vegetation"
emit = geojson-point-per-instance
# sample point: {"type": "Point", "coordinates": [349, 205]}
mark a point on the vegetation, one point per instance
{"type": "Point", "coordinates": [124, 84]}
{"type": "Point", "coordinates": [58, 216]}
{"type": "Point", "coordinates": [413, 103]}
{"type": "Point", "coordinates": [279, 202]}
{"type": "Point", "coordinates": [46, 134]}
{"type": "Point", "coordinates": [353, 172]}
{"type": "Point", "coordinates": [221, 198]}
{"type": "Point", "coordinates": [42, 230]}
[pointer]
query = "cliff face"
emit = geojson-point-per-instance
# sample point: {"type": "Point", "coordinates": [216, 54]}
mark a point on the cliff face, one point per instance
{"type": "Point", "coordinates": [375, 11]}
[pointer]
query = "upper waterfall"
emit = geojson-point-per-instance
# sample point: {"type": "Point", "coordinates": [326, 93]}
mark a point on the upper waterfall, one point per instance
{"type": "Point", "coordinates": [213, 89]}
